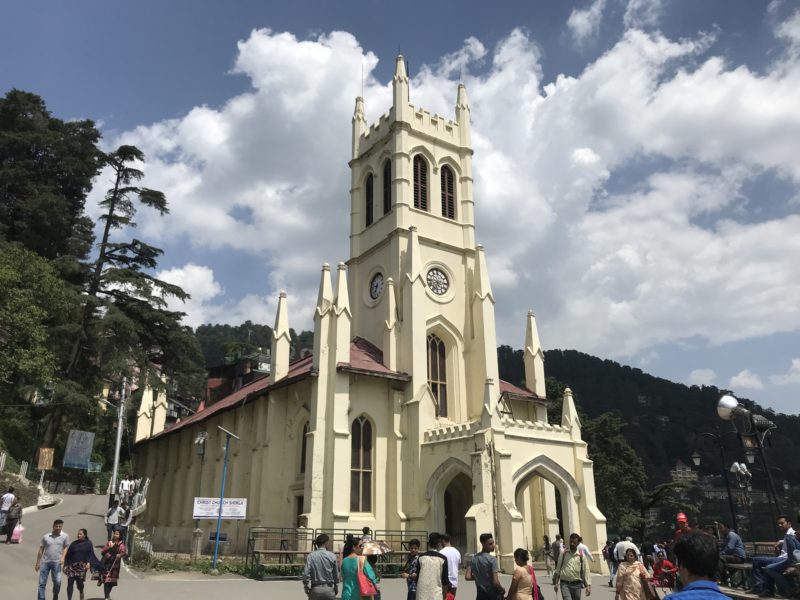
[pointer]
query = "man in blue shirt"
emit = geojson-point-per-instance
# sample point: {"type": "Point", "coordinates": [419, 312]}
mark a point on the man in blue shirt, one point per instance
{"type": "Point", "coordinates": [732, 551]}
{"type": "Point", "coordinates": [698, 559]}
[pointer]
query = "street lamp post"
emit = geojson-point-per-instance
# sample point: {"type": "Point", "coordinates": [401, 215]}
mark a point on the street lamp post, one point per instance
{"type": "Point", "coordinates": [724, 462]}
{"type": "Point", "coordinates": [752, 434]}
{"type": "Point", "coordinates": [228, 436]}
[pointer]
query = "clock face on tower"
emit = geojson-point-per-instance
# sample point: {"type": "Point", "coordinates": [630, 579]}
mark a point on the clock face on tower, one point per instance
{"type": "Point", "coordinates": [437, 281]}
{"type": "Point", "coordinates": [376, 286]}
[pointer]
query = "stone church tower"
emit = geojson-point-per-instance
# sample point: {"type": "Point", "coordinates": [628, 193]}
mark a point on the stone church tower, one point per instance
{"type": "Point", "coordinates": [399, 420]}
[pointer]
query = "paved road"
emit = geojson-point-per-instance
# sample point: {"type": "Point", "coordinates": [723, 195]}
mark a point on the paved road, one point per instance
{"type": "Point", "coordinates": [18, 579]}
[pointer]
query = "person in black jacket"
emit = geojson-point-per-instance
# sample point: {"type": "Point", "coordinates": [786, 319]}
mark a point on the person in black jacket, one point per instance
{"type": "Point", "coordinates": [79, 559]}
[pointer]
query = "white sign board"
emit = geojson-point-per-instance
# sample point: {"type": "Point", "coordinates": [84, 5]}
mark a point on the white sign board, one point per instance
{"type": "Point", "coordinates": [208, 508]}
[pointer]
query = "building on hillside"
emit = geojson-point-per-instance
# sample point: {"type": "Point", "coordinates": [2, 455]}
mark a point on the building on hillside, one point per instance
{"type": "Point", "coordinates": [682, 472]}
{"type": "Point", "coordinates": [397, 420]}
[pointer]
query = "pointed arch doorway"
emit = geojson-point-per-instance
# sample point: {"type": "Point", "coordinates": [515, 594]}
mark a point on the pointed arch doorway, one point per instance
{"type": "Point", "coordinates": [457, 501]}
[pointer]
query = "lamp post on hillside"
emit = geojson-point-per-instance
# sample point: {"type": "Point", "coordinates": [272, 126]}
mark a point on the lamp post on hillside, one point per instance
{"type": "Point", "coordinates": [720, 442]}
{"type": "Point", "coordinates": [753, 430]}
{"type": "Point", "coordinates": [228, 436]}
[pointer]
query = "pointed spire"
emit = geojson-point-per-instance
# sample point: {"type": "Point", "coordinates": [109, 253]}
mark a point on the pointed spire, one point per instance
{"type": "Point", "coordinates": [343, 320]}
{"type": "Point", "coordinates": [569, 415]}
{"type": "Point", "coordinates": [400, 90]}
{"type": "Point", "coordinates": [281, 341]}
{"type": "Point", "coordinates": [463, 116]}
{"type": "Point", "coordinates": [359, 124]}
{"type": "Point", "coordinates": [400, 68]}
{"type": "Point", "coordinates": [342, 294]}
{"type": "Point", "coordinates": [461, 100]}
{"type": "Point", "coordinates": [483, 288]}
{"type": "Point", "coordinates": [534, 358]}
{"type": "Point", "coordinates": [325, 296]}
{"type": "Point", "coordinates": [390, 332]}
{"type": "Point", "coordinates": [413, 259]}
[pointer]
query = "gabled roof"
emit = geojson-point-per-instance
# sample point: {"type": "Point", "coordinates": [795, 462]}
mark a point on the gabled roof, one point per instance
{"type": "Point", "coordinates": [523, 393]}
{"type": "Point", "coordinates": [365, 358]}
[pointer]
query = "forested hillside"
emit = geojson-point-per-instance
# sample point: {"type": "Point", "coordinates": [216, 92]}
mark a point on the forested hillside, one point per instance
{"type": "Point", "coordinates": [662, 418]}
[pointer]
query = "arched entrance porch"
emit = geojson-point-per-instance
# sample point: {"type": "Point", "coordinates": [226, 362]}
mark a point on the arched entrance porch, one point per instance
{"type": "Point", "coordinates": [449, 491]}
{"type": "Point", "coordinates": [547, 497]}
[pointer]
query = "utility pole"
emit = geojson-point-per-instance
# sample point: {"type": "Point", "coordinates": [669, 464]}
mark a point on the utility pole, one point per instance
{"type": "Point", "coordinates": [228, 436]}
{"type": "Point", "coordinates": [120, 423]}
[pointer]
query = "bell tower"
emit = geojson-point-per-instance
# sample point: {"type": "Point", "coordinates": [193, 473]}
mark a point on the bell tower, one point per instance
{"type": "Point", "coordinates": [412, 236]}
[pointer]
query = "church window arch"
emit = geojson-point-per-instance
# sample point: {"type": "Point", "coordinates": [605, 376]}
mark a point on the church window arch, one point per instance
{"type": "Point", "coordinates": [361, 461]}
{"type": "Point", "coordinates": [437, 373]}
{"type": "Point", "coordinates": [448, 193]}
{"type": "Point", "coordinates": [387, 186]}
{"type": "Point", "coordinates": [420, 183]}
{"type": "Point", "coordinates": [369, 200]}
{"type": "Point", "coordinates": [303, 448]}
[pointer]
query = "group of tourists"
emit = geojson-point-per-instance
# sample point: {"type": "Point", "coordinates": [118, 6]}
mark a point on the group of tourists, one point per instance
{"type": "Point", "coordinates": [118, 517]}
{"type": "Point", "coordinates": [77, 559]}
{"type": "Point", "coordinates": [429, 575]}
{"type": "Point", "coordinates": [11, 516]}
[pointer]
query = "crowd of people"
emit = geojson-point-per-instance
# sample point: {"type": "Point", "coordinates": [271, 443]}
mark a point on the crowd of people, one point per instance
{"type": "Point", "coordinates": [429, 575]}
{"type": "Point", "coordinates": [656, 564]}
{"type": "Point", "coordinates": [76, 560]}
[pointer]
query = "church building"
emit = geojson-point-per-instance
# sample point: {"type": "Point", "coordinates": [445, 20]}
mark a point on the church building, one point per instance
{"type": "Point", "coordinates": [398, 420]}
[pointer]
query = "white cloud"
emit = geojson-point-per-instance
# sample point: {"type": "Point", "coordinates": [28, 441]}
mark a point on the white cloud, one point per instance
{"type": "Point", "coordinates": [746, 379]}
{"type": "Point", "coordinates": [584, 23]}
{"type": "Point", "coordinates": [642, 13]}
{"type": "Point", "coordinates": [674, 254]}
{"type": "Point", "coordinates": [702, 377]}
{"type": "Point", "coordinates": [791, 377]}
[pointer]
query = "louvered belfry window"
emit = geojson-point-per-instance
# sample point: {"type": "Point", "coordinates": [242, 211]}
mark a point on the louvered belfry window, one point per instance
{"type": "Point", "coordinates": [361, 465]}
{"type": "Point", "coordinates": [420, 183]}
{"type": "Point", "coordinates": [437, 373]}
{"type": "Point", "coordinates": [387, 186]}
{"type": "Point", "coordinates": [370, 208]}
{"type": "Point", "coordinates": [448, 193]}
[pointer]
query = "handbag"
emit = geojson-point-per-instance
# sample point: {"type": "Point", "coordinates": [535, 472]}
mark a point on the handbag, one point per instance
{"type": "Point", "coordinates": [365, 586]}
{"type": "Point", "coordinates": [537, 591]}
{"type": "Point", "coordinates": [16, 535]}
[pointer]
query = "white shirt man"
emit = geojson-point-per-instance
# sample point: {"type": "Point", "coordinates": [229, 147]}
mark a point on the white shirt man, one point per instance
{"type": "Point", "coordinates": [453, 557]}
{"type": "Point", "coordinates": [585, 549]}
{"type": "Point", "coordinates": [622, 547]}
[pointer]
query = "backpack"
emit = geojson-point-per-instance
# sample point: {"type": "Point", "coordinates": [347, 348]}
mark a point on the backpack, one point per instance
{"type": "Point", "coordinates": [555, 550]}
{"type": "Point", "coordinates": [605, 553]}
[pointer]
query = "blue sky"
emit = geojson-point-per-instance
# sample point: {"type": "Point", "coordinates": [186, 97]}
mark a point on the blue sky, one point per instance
{"type": "Point", "coordinates": [648, 147]}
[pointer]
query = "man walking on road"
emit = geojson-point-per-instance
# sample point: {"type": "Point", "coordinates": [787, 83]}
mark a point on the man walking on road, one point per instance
{"type": "Point", "coordinates": [572, 572]}
{"type": "Point", "coordinates": [50, 559]}
{"type": "Point", "coordinates": [433, 581]}
{"type": "Point", "coordinates": [321, 573]}
{"type": "Point", "coordinates": [483, 569]}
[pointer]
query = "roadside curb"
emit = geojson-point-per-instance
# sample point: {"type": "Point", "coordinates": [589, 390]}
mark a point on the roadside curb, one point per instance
{"type": "Point", "coordinates": [32, 509]}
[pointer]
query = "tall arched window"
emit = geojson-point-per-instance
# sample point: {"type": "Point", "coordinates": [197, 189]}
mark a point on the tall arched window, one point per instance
{"type": "Point", "coordinates": [420, 183]}
{"type": "Point", "coordinates": [303, 448]}
{"type": "Point", "coordinates": [387, 186]}
{"type": "Point", "coordinates": [361, 465]}
{"type": "Point", "coordinates": [437, 373]}
{"type": "Point", "coordinates": [448, 193]}
{"type": "Point", "coordinates": [369, 200]}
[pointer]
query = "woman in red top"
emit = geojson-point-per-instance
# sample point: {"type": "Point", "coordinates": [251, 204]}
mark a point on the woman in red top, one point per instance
{"type": "Point", "coordinates": [664, 572]}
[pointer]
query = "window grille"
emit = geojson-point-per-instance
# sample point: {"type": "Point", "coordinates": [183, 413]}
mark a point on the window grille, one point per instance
{"type": "Point", "coordinates": [437, 373]}
{"type": "Point", "coordinates": [420, 183]}
{"type": "Point", "coordinates": [361, 465]}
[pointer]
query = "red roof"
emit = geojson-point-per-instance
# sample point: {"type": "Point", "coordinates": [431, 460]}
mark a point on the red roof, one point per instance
{"type": "Point", "coordinates": [364, 357]}
{"type": "Point", "coordinates": [510, 388]}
